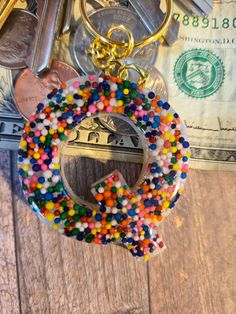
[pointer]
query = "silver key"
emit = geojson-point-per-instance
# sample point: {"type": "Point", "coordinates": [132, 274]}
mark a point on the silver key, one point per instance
{"type": "Point", "coordinates": [198, 7]}
{"type": "Point", "coordinates": [49, 13]}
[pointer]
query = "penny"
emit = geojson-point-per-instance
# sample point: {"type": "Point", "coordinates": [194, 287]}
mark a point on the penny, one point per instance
{"type": "Point", "coordinates": [103, 19]}
{"type": "Point", "coordinates": [16, 37]}
{"type": "Point", "coordinates": [30, 89]}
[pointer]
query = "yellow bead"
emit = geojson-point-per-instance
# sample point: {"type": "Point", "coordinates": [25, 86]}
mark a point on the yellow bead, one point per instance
{"type": "Point", "coordinates": [61, 209]}
{"type": "Point", "coordinates": [55, 226]}
{"type": "Point", "coordinates": [167, 135]}
{"type": "Point", "coordinates": [49, 205]}
{"type": "Point", "coordinates": [60, 129]}
{"type": "Point", "coordinates": [50, 217]}
{"type": "Point", "coordinates": [120, 103]}
{"type": "Point", "coordinates": [120, 191]}
{"type": "Point", "coordinates": [51, 131]}
{"type": "Point", "coordinates": [56, 166]}
{"type": "Point", "coordinates": [165, 151]}
{"type": "Point", "coordinates": [165, 204]}
{"type": "Point", "coordinates": [116, 235]}
{"type": "Point", "coordinates": [108, 226]}
{"type": "Point", "coordinates": [188, 154]}
{"type": "Point", "coordinates": [39, 185]}
{"type": "Point", "coordinates": [174, 149]}
{"type": "Point", "coordinates": [142, 232]}
{"type": "Point", "coordinates": [26, 167]}
{"type": "Point", "coordinates": [175, 167]}
{"type": "Point", "coordinates": [80, 92]}
{"type": "Point", "coordinates": [71, 212]}
{"type": "Point", "coordinates": [126, 91]}
{"type": "Point", "coordinates": [146, 256]}
{"type": "Point", "coordinates": [94, 231]}
{"type": "Point", "coordinates": [169, 117]}
{"type": "Point", "coordinates": [42, 139]}
{"type": "Point", "coordinates": [23, 144]}
{"type": "Point", "coordinates": [94, 212]}
{"type": "Point", "coordinates": [36, 155]}
{"type": "Point", "coordinates": [129, 246]}
{"type": "Point", "coordinates": [98, 230]}
{"type": "Point", "coordinates": [172, 138]}
{"type": "Point", "coordinates": [69, 97]}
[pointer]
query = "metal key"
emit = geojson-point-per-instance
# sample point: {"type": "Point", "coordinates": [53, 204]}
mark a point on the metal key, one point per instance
{"type": "Point", "coordinates": [5, 9]}
{"type": "Point", "coordinates": [49, 13]}
{"type": "Point", "coordinates": [152, 16]}
{"type": "Point", "coordinates": [198, 7]}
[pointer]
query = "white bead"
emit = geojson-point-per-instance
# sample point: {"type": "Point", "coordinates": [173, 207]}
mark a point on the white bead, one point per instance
{"type": "Point", "coordinates": [47, 174]}
{"type": "Point", "coordinates": [78, 224]}
{"type": "Point", "coordinates": [100, 189]}
{"type": "Point", "coordinates": [113, 87]}
{"type": "Point", "coordinates": [55, 179]}
{"type": "Point", "coordinates": [118, 184]}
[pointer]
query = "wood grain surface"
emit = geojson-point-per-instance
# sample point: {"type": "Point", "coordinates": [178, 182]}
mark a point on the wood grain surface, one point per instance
{"type": "Point", "coordinates": [43, 272]}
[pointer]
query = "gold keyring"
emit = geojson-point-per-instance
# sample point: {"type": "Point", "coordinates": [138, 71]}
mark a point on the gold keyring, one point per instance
{"type": "Point", "coordinates": [146, 41]}
{"type": "Point", "coordinates": [130, 45]}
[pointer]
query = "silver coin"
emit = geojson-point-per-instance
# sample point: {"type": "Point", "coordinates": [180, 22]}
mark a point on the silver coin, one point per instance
{"type": "Point", "coordinates": [117, 125]}
{"type": "Point", "coordinates": [16, 36]}
{"type": "Point", "coordinates": [103, 19]}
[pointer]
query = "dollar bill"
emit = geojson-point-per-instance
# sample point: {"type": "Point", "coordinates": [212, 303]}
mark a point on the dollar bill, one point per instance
{"type": "Point", "coordinates": [200, 71]}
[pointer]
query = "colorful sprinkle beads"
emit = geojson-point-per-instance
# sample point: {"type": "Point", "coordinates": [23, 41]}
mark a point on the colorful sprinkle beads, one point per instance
{"type": "Point", "coordinates": [123, 215]}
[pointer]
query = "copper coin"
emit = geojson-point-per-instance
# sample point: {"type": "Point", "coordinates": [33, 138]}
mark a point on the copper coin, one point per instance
{"type": "Point", "coordinates": [16, 37]}
{"type": "Point", "coordinates": [31, 89]}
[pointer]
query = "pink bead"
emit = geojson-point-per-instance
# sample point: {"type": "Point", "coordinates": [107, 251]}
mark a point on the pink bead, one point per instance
{"type": "Point", "coordinates": [44, 167]}
{"type": "Point", "coordinates": [109, 109]}
{"type": "Point", "coordinates": [102, 98]}
{"type": "Point", "coordinates": [139, 223]}
{"type": "Point", "coordinates": [54, 153]}
{"type": "Point", "coordinates": [91, 225]}
{"type": "Point", "coordinates": [129, 206]}
{"type": "Point", "coordinates": [92, 108]}
{"type": "Point", "coordinates": [44, 157]}
{"type": "Point", "coordinates": [40, 161]}
{"type": "Point", "coordinates": [166, 165]}
{"type": "Point", "coordinates": [34, 178]}
{"type": "Point", "coordinates": [37, 133]}
{"type": "Point", "coordinates": [26, 181]}
{"type": "Point", "coordinates": [91, 77]}
{"type": "Point", "coordinates": [110, 179]}
{"type": "Point", "coordinates": [29, 140]}
{"type": "Point", "coordinates": [76, 84]}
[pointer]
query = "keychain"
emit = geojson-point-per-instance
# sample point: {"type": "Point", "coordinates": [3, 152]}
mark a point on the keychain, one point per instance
{"type": "Point", "coordinates": [123, 215]}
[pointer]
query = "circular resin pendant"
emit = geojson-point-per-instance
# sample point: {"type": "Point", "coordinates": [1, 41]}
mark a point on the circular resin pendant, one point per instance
{"type": "Point", "coordinates": [123, 215]}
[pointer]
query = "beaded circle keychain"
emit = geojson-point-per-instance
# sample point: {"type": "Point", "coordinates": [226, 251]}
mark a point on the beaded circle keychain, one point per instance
{"type": "Point", "coordinates": [123, 215]}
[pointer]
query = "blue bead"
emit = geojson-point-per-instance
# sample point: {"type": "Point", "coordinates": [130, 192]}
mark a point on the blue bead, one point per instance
{"type": "Point", "coordinates": [98, 217]}
{"type": "Point", "coordinates": [160, 103]}
{"type": "Point", "coordinates": [117, 216]}
{"type": "Point", "coordinates": [145, 118]}
{"type": "Point", "coordinates": [36, 167]}
{"type": "Point", "coordinates": [183, 175]}
{"type": "Point", "coordinates": [155, 125]}
{"type": "Point", "coordinates": [166, 106]}
{"type": "Point", "coordinates": [40, 106]}
{"type": "Point", "coordinates": [48, 196]}
{"type": "Point", "coordinates": [185, 144]}
{"type": "Point", "coordinates": [185, 158]}
{"type": "Point", "coordinates": [151, 95]}
{"type": "Point", "coordinates": [153, 146]}
{"type": "Point", "coordinates": [131, 212]}
{"type": "Point", "coordinates": [41, 179]}
{"type": "Point", "coordinates": [156, 119]}
{"type": "Point", "coordinates": [57, 220]}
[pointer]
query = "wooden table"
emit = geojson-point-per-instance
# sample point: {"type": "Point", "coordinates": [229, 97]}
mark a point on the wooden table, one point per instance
{"type": "Point", "coordinates": [42, 272]}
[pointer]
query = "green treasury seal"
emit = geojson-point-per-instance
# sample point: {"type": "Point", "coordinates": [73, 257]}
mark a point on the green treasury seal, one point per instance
{"type": "Point", "coordinates": [199, 73]}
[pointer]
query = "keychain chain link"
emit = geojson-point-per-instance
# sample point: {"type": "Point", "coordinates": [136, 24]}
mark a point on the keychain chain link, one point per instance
{"type": "Point", "coordinates": [108, 56]}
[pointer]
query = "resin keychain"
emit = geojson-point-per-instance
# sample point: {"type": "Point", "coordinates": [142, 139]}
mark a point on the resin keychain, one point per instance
{"type": "Point", "coordinates": [123, 215]}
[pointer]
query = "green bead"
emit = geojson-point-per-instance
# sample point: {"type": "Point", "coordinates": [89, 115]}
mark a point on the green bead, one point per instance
{"type": "Point", "coordinates": [30, 200]}
{"type": "Point", "coordinates": [31, 134]}
{"type": "Point", "coordinates": [62, 137]}
{"type": "Point", "coordinates": [173, 160]}
{"type": "Point", "coordinates": [147, 107]}
{"type": "Point", "coordinates": [127, 100]}
{"type": "Point", "coordinates": [126, 84]}
{"type": "Point", "coordinates": [113, 189]}
{"type": "Point", "coordinates": [123, 234]}
{"type": "Point", "coordinates": [76, 207]}
{"type": "Point", "coordinates": [63, 216]}
{"type": "Point", "coordinates": [63, 203]}
{"type": "Point", "coordinates": [157, 213]}
{"type": "Point", "coordinates": [51, 104]}
{"type": "Point", "coordinates": [109, 219]}
{"type": "Point", "coordinates": [76, 217]}
{"type": "Point", "coordinates": [82, 211]}
{"type": "Point", "coordinates": [75, 231]}
{"type": "Point", "coordinates": [67, 224]}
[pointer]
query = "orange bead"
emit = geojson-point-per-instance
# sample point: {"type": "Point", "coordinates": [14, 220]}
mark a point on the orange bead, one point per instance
{"type": "Point", "coordinates": [107, 194]}
{"type": "Point", "coordinates": [103, 231]}
{"type": "Point", "coordinates": [109, 202]}
{"type": "Point", "coordinates": [99, 197]}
